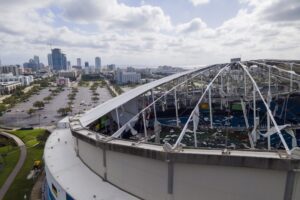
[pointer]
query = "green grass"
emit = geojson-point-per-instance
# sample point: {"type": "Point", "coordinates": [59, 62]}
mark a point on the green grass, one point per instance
{"type": "Point", "coordinates": [21, 184]}
{"type": "Point", "coordinates": [28, 135]}
{"type": "Point", "coordinates": [9, 161]}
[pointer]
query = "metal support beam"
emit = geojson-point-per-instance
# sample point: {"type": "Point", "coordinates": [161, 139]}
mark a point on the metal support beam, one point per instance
{"type": "Point", "coordinates": [269, 104]}
{"type": "Point", "coordinates": [153, 103]}
{"type": "Point", "coordinates": [245, 85]}
{"type": "Point", "coordinates": [268, 110]}
{"type": "Point", "coordinates": [199, 101]}
{"type": "Point", "coordinates": [145, 126]}
{"type": "Point", "coordinates": [254, 132]}
{"type": "Point", "coordinates": [118, 120]}
{"type": "Point", "coordinates": [176, 107]}
{"type": "Point", "coordinates": [210, 108]}
{"type": "Point", "coordinates": [291, 78]}
{"type": "Point", "coordinates": [119, 132]}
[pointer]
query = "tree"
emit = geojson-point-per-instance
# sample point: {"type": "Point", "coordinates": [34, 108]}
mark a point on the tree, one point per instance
{"type": "Point", "coordinates": [31, 111]}
{"type": "Point", "coordinates": [2, 108]}
{"type": "Point", "coordinates": [74, 90]}
{"type": "Point", "coordinates": [39, 104]}
{"type": "Point", "coordinates": [95, 98]}
{"type": "Point", "coordinates": [61, 111]}
{"type": "Point", "coordinates": [47, 99]}
{"type": "Point", "coordinates": [64, 111]}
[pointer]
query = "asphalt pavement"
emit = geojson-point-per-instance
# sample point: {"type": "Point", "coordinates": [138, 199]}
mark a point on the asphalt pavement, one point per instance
{"type": "Point", "coordinates": [18, 117]}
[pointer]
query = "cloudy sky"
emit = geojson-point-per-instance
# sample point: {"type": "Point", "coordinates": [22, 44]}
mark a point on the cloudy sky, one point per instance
{"type": "Point", "coordinates": [150, 32]}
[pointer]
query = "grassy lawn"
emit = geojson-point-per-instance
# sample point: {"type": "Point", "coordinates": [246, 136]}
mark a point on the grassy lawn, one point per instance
{"type": "Point", "coordinates": [21, 184]}
{"type": "Point", "coordinates": [9, 161]}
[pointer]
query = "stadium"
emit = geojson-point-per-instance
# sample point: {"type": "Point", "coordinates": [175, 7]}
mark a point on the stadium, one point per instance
{"type": "Point", "coordinates": [224, 131]}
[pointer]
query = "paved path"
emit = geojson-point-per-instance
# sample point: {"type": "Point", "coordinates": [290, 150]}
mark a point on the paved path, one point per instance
{"type": "Point", "coordinates": [18, 166]}
{"type": "Point", "coordinates": [37, 192]}
{"type": "Point", "coordinates": [111, 87]}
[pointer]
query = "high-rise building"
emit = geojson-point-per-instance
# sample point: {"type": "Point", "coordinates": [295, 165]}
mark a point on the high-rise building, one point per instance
{"type": "Point", "coordinates": [64, 61]}
{"type": "Point", "coordinates": [68, 65]}
{"type": "Point", "coordinates": [111, 67]}
{"type": "Point", "coordinates": [86, 64]}
{"type": "Point", "coordinates": [79, 62]}
{"type": "Point", "coordinates": [98, 63]}
{"type": "Point", "coordinates": [59, 60]}
{"type": "Point", "coordinates": [36, 59]}
{"type": "Point", "coordinates": [50, 60]}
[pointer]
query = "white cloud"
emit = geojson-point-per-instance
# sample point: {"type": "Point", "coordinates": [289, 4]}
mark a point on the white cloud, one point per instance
{"type": "Point", "coordinates": [145, 34]}
{"type": "Point", "coordinates": [111, 14]}
{"type": "Point", "coordinates": [194, 25]}
{"type": "Point", "coordinates": [199, 2]}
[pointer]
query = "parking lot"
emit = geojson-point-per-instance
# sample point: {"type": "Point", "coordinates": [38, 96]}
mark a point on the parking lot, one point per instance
{"type": "Point", "coordinates": [83, 101]}
{"type": "Point", "coordinates": [18, 116]}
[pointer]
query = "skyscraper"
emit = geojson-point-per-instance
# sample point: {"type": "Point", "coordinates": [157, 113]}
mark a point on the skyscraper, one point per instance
{"type": "Point", "coordinates": [37, 61]}
{"type": "Point", "coordinates": [59, 60]}
{"type": "Point", "coordinates": [68, 65]}
{"type": "Point", "coordinates": [50, 64]}
{"type": "Point", "coordinates": [98, 63]}
{"type": "Point", "coordinates": [64, 61]}
{"type": "Point", "coordinates": [86, 64]}
{"type": "Point", "coordinates": [79, 62]}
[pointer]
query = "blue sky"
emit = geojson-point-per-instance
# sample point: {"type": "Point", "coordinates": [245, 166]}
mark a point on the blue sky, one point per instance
{"type": "Point", "coordinates": [150, 32]}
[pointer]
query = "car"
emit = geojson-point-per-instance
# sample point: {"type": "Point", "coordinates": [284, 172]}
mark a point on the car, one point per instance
{"type": "Point", "coordinates": [8, 111]}
{"type": "Point", "coordinates": [45, 117]}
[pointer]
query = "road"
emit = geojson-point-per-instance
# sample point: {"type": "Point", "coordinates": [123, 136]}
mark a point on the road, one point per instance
{"type": "Point", "coordinates": [111, 87]}
{"type": "Point", "coordinates": [18, 166]}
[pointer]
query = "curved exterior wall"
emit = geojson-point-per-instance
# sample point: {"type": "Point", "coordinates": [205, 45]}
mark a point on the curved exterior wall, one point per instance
{"type": "Point", "coordinates": [52, 184]}
{"type": "Point", "coordinates": [157, 175]}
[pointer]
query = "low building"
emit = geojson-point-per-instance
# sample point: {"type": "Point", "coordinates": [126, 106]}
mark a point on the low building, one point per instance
{"type": "Point", "coordinates": [168, 70]}
{"type": "Point", "coordinates": [14, 69]}
{"type": "Point", "coordinates": [89, 70]}
{"type": "Point", "coordinates": [24, 80]}
{"type": "Point", "coordinates": [72, 74]}
{"type": "Point", "coordinates": [235, 60]}
{"type": "Point", "coordinates": [127, 77]}
{"type": "Point", "coordinates": [61, 81]}
{"type": "Point", "coordinates": [9, 87]}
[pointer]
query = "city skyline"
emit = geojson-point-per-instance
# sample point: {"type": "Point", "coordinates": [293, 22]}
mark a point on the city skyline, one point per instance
{"type": "Point", "coordinates": [179, 32]}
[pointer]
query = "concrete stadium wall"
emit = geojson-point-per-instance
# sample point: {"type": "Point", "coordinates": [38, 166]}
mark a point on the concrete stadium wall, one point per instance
{"type": "Point", "coordinates": [92, 156]}
{"type": "Point", "coordinates": [154, 177]}
{"type": "Point", "coordinates": [140, 176]}
{"type": "Point", "coordinates": [227, 183]}
{"type": "Point", "coordinates": [296, 189]}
